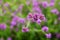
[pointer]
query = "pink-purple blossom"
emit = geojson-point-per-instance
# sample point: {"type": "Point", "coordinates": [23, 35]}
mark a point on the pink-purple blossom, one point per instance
{"type": "Point", "coordinates": [38, 21]}
{"type": "Point", "coordinates": [55, 11]}
{"type": "Point", "coordinates": [6, 4]}
{"type": "Point", "coordinates": [3, 26]}
{"type": "Point", "coordinates": [25, 29]}
{"type": "Point", "coordinates": [58, 35]}
{"type": "Point", "coordinates": [9, 38]}
{"type": "Point", "coordinates": [45, 4]}
{"type": "Point", "coordinates": [45, 28]}
{"type": "Point", "coordinates": [51, 4]}
{"type": "Point", "coordinates": [48, 35]}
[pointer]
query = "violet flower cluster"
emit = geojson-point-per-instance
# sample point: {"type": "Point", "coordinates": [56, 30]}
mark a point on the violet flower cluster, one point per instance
{"type": "Point", "coordinates": [25, 19]}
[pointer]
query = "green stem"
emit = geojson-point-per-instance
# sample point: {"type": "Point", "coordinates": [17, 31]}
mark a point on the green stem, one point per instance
{"type": "Point", "coordinates": [28, 23]}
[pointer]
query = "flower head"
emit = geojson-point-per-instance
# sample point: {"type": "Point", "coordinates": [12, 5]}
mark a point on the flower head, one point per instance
{"type": "Point", "coordinates": [9, 38]}
{"type": "Point", "coordinates": [37, 9]}
{"type": "Point", "coordinates": [48, 35]}
{"type": "Point", "coordinates": [6, 4]}
{"type": "Point", "coordinates": [52, 4]}
{"type": "Point", "coordinates": [35, 3]}
{"type": "Point", "coordinates": [21, 20]}
{"type": "Point", "coordinates": [57, 35]}
{"type": "Point", "coordinates": [45, 28]}
{"type": "Point", "coordinates": [25, 29]}
{"type": "Point", "coordinates": [2, 26]}
{"type": "Point", "coordinates": [55, 11]}
{"type": "Point", "coordinates": [45, 4]}
{"type": "Point", "coordinates": [13, 23]}
{"type": "Point", "coordinates": [38, 21]}
{"type": "Point", "coordinates": [29, 17]}
{"type": "Point", "coordinates": [42, 17]}
{"type": "Point", "coordinates": [35, 17]}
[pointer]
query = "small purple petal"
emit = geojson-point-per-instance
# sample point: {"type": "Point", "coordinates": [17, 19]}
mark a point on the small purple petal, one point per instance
{"type": "Point", "coordinates": [55, 11]}
{"type": "Point", "coordinates": [38, 21]}
{"type": "Point", "coordinates": [25, 29]}
{"type": "Point", "coordinates": [48, 35]}
{"type": "Point", "coordinates": [45, 4]}
{"type": "Point", "coordinates": [9, 38]}
{"type": "Point", "coordinates": [45, 28]}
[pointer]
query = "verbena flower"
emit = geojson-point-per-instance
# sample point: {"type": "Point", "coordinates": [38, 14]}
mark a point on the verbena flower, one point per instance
{"type": "Point", "coordinates": [21, 20]}
{"type": "Point", "coordinates": [6, 4]}
{"type": "Point", "coordinates": [29, 16]}
{"type": "Point", "coordinates": [51, 4]}
{"type": "Point", "coordinates": [34, 3]}
{"type": "Point", "coordinates": [1, 2]}
{"type": "Point", "coordinates": [37, 9]}
{"type": "Point", "coordinates": [39, 21]}
{"type": "Point", "coordinates": [13, 23]}
{"type": "Point", "coordinates": [52, 0]}
{"type": "Point", "coordinates": [58, 18]}
{"type": "Point", "coordinates": [45, 28]}
{"type": "Point", "coordinates": [42, 17]}
{"type": "Point", "coordinates": [48, 35]}
{"type": "Point", "coordinates": [14, 20]}
{"type": "Point", "coordinates": [55, 11]}
{"type": "Point", "coordinates": [25, 29]}
{"type": "Point", "coordinates": [35, 17]}
{"type": "Point", "coordinates": [2, 26]}
{"type": "Point", "coordinates": [9, 38]}
{"type": "Point", "coordinates": [45, 4]}
{"type": "Point", "coordinates": [58, 35]}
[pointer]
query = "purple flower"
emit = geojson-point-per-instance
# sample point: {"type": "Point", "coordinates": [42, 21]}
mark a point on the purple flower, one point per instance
{"type": "Point", "coordinates": [6, 4]}
{"type": "Point", "coordinates": [1, 2]}
{"type": "Point", "coordinates": [25, 29]}
{"type": "Point", "coordinates": [42, 17]}
{"type": "Point", "coordinates": [13, 23]}
{"type": "Point", "coordinates": [58, 35]}
{"type": "Point", "coordinates": [15, 18]}
{"type": "Point", "coordinates": [52, 4]}
{"type": "Point", "coordinates": [35, 3]}
{"type": "Point", "coordinates": [36, 9]}
{"type": "Point", "coordinates": [58, 18]}
{"type": "Point", "coordinates": [52, 1]}
{"type": "Point", "coordinates": [9, 38]}
{"type": "Point", "coordinates": [48, 35]}
{"type": "Point", "coordinates": [45, 28]}
{"type": "Point", "coordinates": [45, 4]}
{"type": "Point", "coordinates": [38, 21]}
{"type": "Point", "coordinates": [2, 26]}
{"type": "Point", "coordinates": [35, 17]}
{"type": "Point", "coordinates": [55, 11]}
{"type": "Point", "coordinates": [29, 16]}
{"type": "Point", "coordinates": [21, 20]}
